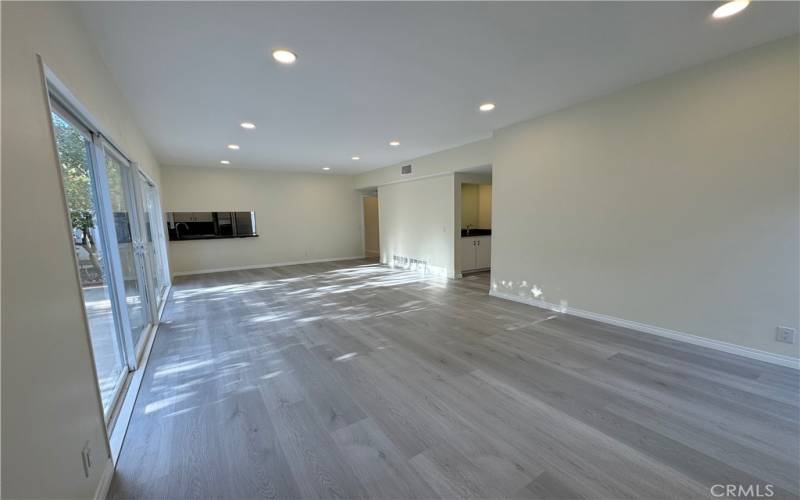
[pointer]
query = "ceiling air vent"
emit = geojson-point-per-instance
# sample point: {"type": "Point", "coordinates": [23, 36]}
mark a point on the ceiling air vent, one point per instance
{"type": "Point", "coordinates": [405, 170]}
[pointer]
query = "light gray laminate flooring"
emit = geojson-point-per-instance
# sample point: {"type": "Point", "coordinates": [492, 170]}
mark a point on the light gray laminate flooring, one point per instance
{"type": "Point", "coordinates": [353, 380]}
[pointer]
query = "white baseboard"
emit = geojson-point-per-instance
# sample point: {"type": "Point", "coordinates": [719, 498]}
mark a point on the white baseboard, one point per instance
{"type": "Point", "coordinates": [261, 266]}
{"type": "Point", "coordinates": [435, 271]}
{"type": "Point", "coordinates": [105, 481]}
{"type": "Point", "coordinates": [718, 345]}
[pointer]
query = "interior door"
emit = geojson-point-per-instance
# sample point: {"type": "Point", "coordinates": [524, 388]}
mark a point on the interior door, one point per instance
{"type": "Point", "coordinates": [122, 193]}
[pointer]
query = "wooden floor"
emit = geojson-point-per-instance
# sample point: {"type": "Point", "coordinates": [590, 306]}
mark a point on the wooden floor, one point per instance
{"type": "Point", "coordinates": [351, 380]}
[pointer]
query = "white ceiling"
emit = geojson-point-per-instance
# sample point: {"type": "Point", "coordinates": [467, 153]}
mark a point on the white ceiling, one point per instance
{"type": "Point", "coordinates": [370, 73]}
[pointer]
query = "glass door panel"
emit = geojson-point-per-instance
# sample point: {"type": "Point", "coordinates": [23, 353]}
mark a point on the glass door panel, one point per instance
{"type": "Point", "coordinates": [123, 206]}
{"type": "Point", "coordinates": [154, 240]}
{"type": "Point", "coordinates": [89, 239]}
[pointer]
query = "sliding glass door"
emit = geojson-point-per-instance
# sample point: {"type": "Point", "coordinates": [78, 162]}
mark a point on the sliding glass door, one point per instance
{"type": "Point", "coordinates": [74, 146]}
{"type": "Point", "coordinates": [122, 193]}
{"type": "Point", "coordinates": [117, 233]}
{"type": "Point", "coordinates": [154, 240]}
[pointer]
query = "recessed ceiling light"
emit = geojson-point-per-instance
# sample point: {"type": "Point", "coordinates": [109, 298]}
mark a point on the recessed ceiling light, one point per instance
{"type": "Point", "coordinates": [326, 168]}
{"type": "Point", "coordinates": [730, 8]}
{"type": "Point", "coordinates": [284, 56]}
{"type": "Point", "coordinates": [225, 162]}
{"type": "Point", "coordinates": [356, 158]}
{"type": "Point", "coordinates": [394, 143]}
{"type": "Point", "coordinates": [233, 146]}
{"type": "Point", "coordinates": [248, 125]}
{"type": "Point", "coordinates": [487, 106]}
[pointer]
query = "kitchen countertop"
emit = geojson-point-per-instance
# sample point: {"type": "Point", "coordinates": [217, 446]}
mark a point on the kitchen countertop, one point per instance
{"type": "Point", "coordinates": [193, 237]}
{"type": "Point", "coordinates": [475, 232]}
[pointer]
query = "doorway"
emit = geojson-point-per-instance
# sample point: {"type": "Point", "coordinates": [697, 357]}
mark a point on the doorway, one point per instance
{"type": "Point", "coordinates": [372, 245]}
{"type": "Point", "coordinates": [473, 220]}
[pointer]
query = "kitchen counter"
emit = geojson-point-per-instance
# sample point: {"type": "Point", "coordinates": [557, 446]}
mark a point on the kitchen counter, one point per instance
{"type": "Point", "coordinates": [190, 237]}
{"type": "Point", "coordinates": [469, 233]}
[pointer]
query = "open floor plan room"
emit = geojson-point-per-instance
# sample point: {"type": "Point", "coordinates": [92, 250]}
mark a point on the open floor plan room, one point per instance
{"type": "Point", "coordinates": [351, 380]}
{"type": "Point", "coordinates": [400, 250]}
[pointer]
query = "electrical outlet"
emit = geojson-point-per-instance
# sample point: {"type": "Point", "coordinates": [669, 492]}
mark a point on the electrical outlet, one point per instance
{"type": "Point", "coordinates": [86, 458]}
{"type": "Point", "coordinates": [785, 334]}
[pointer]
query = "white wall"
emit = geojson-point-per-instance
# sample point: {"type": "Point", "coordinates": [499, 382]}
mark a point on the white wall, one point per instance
{"type": "Point", "coordinates": [50, 405]}
{"type": "Point", "coordinates": [469, 205]}
{"type": "Point", "coordinates": [485, 206]}
{"type": "Point", "coordinates": [476, 205]}
{"type": "Point", "coordinates": [417, 222]}
{"type": "Point", "coordinates": [299, 217]}
{"type": "Point", "coordinates": [474, 154]}
{"type": "Point", "coordinates": [673, 203]}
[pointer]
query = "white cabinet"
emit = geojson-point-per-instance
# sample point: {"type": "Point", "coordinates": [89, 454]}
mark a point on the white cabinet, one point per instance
{"type": "Point", "coordinates": [483, 257]}
{"type": "Point", "coordinates": [468, 251]}
{"type": "Point", "coordinates": [476, 253]}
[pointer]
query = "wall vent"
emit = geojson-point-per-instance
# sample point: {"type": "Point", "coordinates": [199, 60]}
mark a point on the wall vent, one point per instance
{"type": "Point", "coordinates": [405, 170]}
